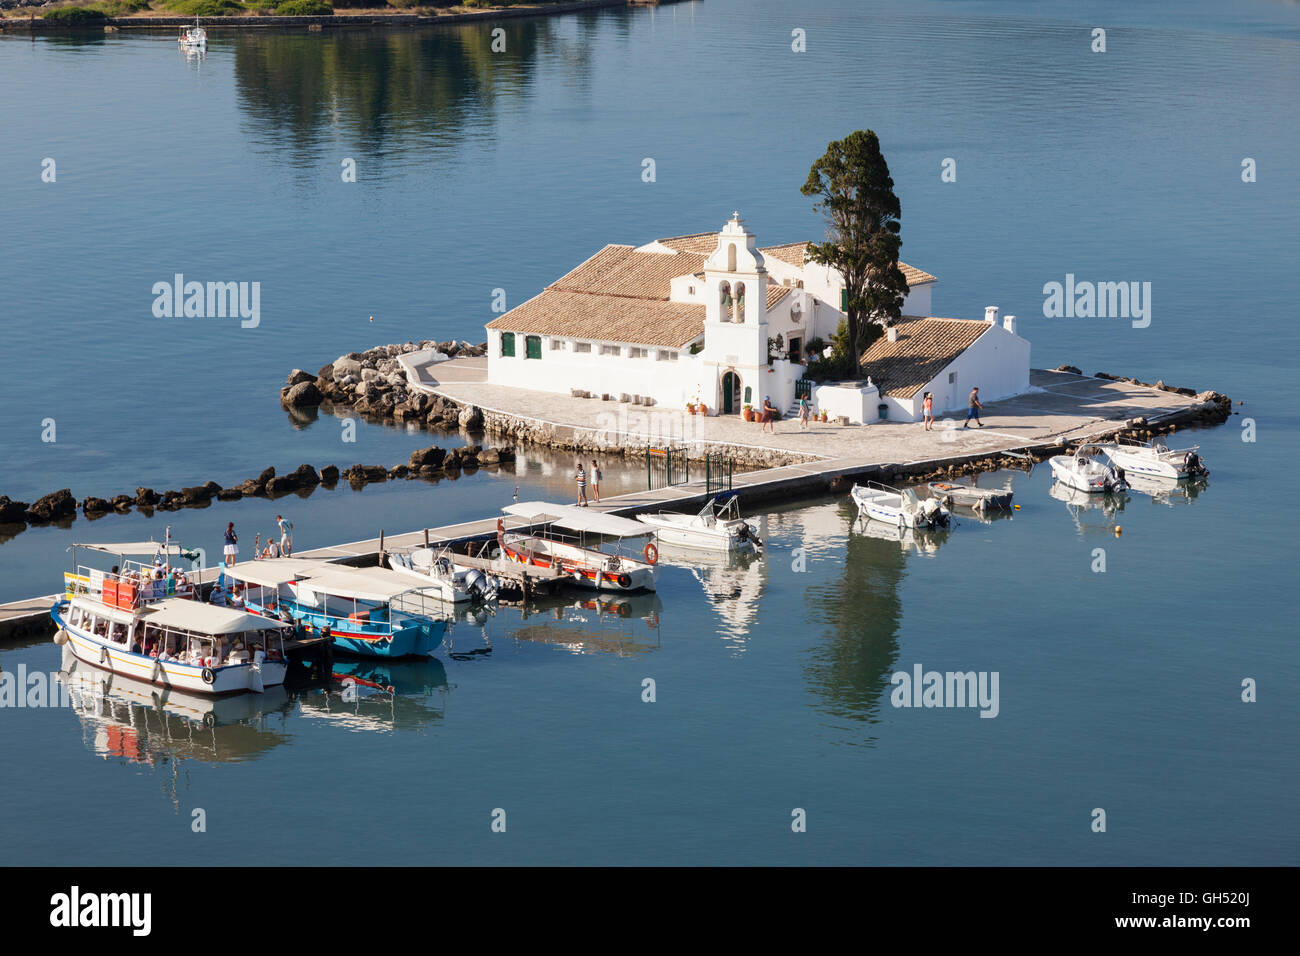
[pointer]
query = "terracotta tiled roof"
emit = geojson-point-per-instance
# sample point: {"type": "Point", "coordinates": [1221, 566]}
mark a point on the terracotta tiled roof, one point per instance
{"type": "Point", "coordinates": [793, 253]}
{"type": "Point", "coordinates": [608, 318]}
{"type": "Point", "coordinates": [925, 347]}
{"type": "Point", "coordinates": [700, 243]}
{"type": "Point", "coordinates": [622, 271]}
{"type": "Point", "coordinates": [775, 293]}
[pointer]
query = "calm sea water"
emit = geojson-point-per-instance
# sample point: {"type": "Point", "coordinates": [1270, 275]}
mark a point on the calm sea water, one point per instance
{"type": "Point", "coordinates": [477, 171]}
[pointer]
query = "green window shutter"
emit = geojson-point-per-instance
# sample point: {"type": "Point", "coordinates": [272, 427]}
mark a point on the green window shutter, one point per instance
{"type": "Point", "coordinates": [508, 344]}
{"type": "Point", "coordinates": [533, 347]}
{"type": "Point", "coordinates": [844, 300]}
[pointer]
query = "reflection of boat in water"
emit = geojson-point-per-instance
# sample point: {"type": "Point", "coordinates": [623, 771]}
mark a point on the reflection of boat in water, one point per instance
{"type": "Point", "coordinates": [733, 583]}
{"type": "Point", "coordinates": [608, 622]}
{"type": "Point", "coordinates": [146, 724]}
{"type": "Point", "coordinates": [922, 540]}
{"type": "Point", "coordinates": [1108, 503]}
{"type": "Point", "coordinates": [380, 696]}
{"type": "Point", "coordinates": [1169, 491]}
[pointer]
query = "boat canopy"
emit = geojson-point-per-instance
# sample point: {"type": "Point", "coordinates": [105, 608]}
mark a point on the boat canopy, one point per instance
{"type": "Point", "coordinates": [273, 572]}
{"type": "Point", "coordinates": [100, 609]}
{"type": "Point", "coordinates": [359, 584]}
{"type": "Point", "coordinates": [199, 618]}
{"type": "Point", "coordinates": [576, 518]}
{"type": "Point", "coordinates": [135, 548]}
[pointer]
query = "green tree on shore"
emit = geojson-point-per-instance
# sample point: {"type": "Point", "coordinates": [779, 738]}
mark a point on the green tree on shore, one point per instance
{"type": "Point", "coordinates": [856, 194]}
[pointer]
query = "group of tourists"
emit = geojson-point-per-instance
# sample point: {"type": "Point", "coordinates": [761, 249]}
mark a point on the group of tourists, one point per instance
{"type": "Point", "coordinates": [973, 408]}
{"type": "Point", "coordinates": [588, 477]}
{"type": "Point", "coordinates": [282, 548]}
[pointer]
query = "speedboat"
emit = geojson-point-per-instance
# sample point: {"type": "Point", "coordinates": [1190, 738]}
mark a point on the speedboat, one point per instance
{"type": "Point", "coordinates": [441, 575]}
{"type": "Point", "coordinates": [372, 612]}
{"type": "Point", "coordinates": [717, 527]}
{"type": "Point", "coordinates": [193, 38]}
{"type": "Point", "coordinates": [1157, 459]}
{"type": "Point", "coordinates": [588, 567]}
{"type": "Point", "coordinates": [953, 493]}
{"type": "Point", "coordinates": [129, 621]}
{"type": "Point", "coordinates": [1088, 470]}
{"type": "Point", "coordinates": [899, 507]}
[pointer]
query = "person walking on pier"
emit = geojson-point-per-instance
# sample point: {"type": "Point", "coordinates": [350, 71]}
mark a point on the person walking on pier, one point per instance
{"type": "Point", "coordinates": [595, 480]}
{"type": "Point", "coordinates": [582, 486]}
{"type": "Point", "coordinates": [286, 536]}
{"type": "Point", "coordinates": [973, 408]}
{"type": "Point", "coordinates": [803, 414]}
{"type": "Point", "coordinates": [927, 411]}
{"type": "Point", "coordinates": [231, 550]}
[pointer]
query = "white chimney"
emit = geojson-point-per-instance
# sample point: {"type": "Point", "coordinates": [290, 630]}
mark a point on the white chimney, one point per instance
{"type": "Point", "coordinates": [892, 333]}
{"type": "Point", "coordinates": [1009, 323]}
{"type": "Point", "coordinates": [991, 314]}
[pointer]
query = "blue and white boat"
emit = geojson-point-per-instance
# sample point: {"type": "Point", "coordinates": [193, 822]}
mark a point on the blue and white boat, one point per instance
{"type": "Point", "coordinates": [371, 612]}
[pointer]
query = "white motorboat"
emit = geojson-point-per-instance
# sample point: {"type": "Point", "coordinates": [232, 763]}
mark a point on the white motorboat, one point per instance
{"type": "Point", "coordinates": [137, 621]}
{"type": "Point", "coordinates": [1156, 459]}
{"type": "Point", "coordinates": [193, 38]}
{"type": "Point", "coordinates": [441, 575]}
{"type": "Point", "coordinates": [586, 566]}
{"type": "Point", "coordinates": [717, 527]}
{"type": "Point", "coordinates": [968, 496]}
{"type": "Point", "coordinates": [899, 507]}
{"type": "Point", "coordinates": [1088, 470]}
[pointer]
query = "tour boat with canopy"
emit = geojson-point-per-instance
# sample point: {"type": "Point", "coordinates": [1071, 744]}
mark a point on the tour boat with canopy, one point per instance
{"type": "Point", "coordinates": [586, 566]}
{"type": "Point", "coordinates": [717, 527]}
{"type": "Point", "coordinates": [372, 612]}
{"type": "Point", "coordinates": [141, 620]}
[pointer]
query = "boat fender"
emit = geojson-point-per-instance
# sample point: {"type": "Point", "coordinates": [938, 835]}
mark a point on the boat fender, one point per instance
{"type": "Point", "coordinates": [651, 554]}
{"type": "Point", "coordinates": [625, 580]}
{"type": "Point", "coordinates": [103, 653]}
{"type": "Point", "coordinates": [208, 675]}
{"type": "Point", "coordinates": [61, 638]}
{"type": "Point", "coordinates": [157, 669]}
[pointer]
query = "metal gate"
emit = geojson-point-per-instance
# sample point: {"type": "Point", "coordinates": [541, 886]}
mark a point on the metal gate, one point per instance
{"type": "Point", "coordinates": [717, 473]}
{"type": "Point", "coordinates": [666, 466]}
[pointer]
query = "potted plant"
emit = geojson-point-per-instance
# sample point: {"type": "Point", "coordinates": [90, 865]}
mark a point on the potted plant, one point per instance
{"type": "Point", "coordinates": [748, 413]}
{"type": "Point", "coordinates": [702, 409]}
{"type": "Point", "coordinates": [822, 417]}
{"type": "Point", "coordinates": [690, 408]}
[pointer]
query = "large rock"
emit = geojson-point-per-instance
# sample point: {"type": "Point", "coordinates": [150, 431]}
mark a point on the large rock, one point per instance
{"type": "Point", "coordinates": [266, 475]}
{"type": "Point", "coordinates": [297, 376]}
{"type": "Point", "coordinates": [146, 496]}
{"type": "Point", "coordinates": [199, 493]}
{"type": "Point", "coordinates": [360, 474]}
{"type": "Point", "coordinates": [346, 365]}
{"type": "Point", "coordinates": [121, 503]}
{"type": "Point", "coordinates": [433, 455]}
{"type": "Point", "coordinates": [306, 476]}
{"type": "Point", "coordinates": [471, 418]}
{"type": "Point", "coordinates": [329, 474]}
{"type": "Point", "coordinates": [57, 504]}
{"type": "Point", "coordinates": [12, 511]}
{"type": "Point", "coordinates": [230, 494]}
{"type": "Point", "coordinates": [489, 456]}
{"type": "Point", "coordinates": [304, 393]}
{"type": "Point", "coordinates": [95, 506]}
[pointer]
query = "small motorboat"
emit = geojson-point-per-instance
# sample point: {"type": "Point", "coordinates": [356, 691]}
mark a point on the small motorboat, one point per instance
{"type": "Point", "coordinates": [440, 574]}
{"type": "Point", "coordinates": [1157, 459]}
{"type": "Point", "coordinates": [586, 566]}
{"type": "Point", "coordinates": [899, 507]}
{"type": "Point", "coordinates": [193, 38]}
{"type": "Point", "coordinates": [1088, 469]}
{"type": "Point", "coordinates": [717, 527]}
{"type": "Point", "coordinates": [952, 493]}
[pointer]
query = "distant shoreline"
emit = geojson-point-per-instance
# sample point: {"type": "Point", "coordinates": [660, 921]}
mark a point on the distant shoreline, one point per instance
{"type": "Point", "coordinates": [31, 22]}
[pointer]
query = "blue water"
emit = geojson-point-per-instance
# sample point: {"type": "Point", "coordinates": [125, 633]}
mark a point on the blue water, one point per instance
{"type": "Point", "coordinates": [1118, 690]}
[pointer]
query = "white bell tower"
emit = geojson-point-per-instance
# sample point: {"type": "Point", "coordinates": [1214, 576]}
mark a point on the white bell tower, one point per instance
{"type": "Point", "coordinates": [735, 319]}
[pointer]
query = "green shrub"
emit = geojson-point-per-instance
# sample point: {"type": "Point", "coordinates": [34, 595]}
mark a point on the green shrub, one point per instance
{"type": "Point", "coordinates": [74, 15]}
{"type": "Point", "coordinates": [304, 8]}
{"type": "Point", "coordinates": [207, 8]}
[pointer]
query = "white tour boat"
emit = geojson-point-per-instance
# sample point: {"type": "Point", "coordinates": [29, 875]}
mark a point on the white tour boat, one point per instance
{"type": "Point", "coordinates": [586, 566]}
{"type": "Point", "coordinates": [717, 527]}
{"type": "Point", "coordinates": [899, 507]}
{"type": "Point", "coordinates": [1156, 459]}
{"type": "Point", "coordinates": [1088, 470]}
{"type": "Point", "coordinates": [193, 38]}
{"type": "Point", "coordinates": [129, 621]}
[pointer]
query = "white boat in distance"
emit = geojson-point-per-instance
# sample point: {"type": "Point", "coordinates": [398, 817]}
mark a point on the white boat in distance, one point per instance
{"type": "Point", "coordinates": [586, 566]}
{"type": "Point", "coordinates": [717, 527]}
{"type": "Point", "coordinates": [1156, 459]}
{"type": "Point", "coordinates": [968, 496]}
{"type": "Point", "coordinates": [193, 38]}
{"type": "Point", "coordinates": [1088, 470]}
{"type": "Point", "coordinates": [899, 507]}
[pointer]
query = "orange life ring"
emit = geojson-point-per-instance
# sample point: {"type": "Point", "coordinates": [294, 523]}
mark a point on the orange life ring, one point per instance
{"type": "Point", "coordinates": [651, 553]}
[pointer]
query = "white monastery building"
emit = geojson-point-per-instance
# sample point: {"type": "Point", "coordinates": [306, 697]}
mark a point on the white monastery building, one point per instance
{"type": "Point", "coordinates": [711, 318]}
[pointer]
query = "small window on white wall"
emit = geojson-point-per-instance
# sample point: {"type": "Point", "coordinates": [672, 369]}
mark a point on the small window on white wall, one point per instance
{"type": "Point", "coordinates": [666, 356]}
{"type": "Point", "coordinates": [636, 352]}
{"type": "Point", "coordinates": [952, 378]}
{"type": "Point", "coordinates": [557, 345]}
{"type": "Point", "coordinates": [611, 350]}
{"type": "Point", "coordinates": [582, 346]}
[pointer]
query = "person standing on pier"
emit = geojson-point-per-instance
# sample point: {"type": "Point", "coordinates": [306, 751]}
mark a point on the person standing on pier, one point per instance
{"type": "Point", "coordinates": [595, 480]}
{"type": "Point", "coordinates": [927, 411]}
{"type": "Point", "coordinates": [286, 535]}
{"type": "Point", "coordinates": [973, 408]}
{"type": "Point", "coordinates": [582, 486]}
{"type": "Point", "coordinates": [231, 550]}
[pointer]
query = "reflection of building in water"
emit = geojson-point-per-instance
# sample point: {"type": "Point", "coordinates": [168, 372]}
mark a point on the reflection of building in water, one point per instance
{"type": "Point", "coordinates": [153, 726]}
{"type": "Point", "coordinates": [380, 696]}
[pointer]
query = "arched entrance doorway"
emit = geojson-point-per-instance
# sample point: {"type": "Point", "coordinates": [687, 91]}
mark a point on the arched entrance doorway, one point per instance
{"type": "Point", "coordinates": [730, 393]}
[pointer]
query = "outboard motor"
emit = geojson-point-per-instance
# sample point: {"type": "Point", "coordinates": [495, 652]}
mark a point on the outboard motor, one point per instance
{"type": "Point", "coordinates": [1195, 466]}
{"type": "Point", "coordinates": [1116, 482]}
{"type": "Point", "coordinates": [747, 534]}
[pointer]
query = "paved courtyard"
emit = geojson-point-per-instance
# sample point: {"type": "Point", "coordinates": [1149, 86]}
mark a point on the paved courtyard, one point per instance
{"type": "Point", "coordinates": [1062, 406]}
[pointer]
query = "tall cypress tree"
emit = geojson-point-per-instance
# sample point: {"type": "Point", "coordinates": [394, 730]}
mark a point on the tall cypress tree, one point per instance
{"type": "Point", "coordinates": [856, 194]}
